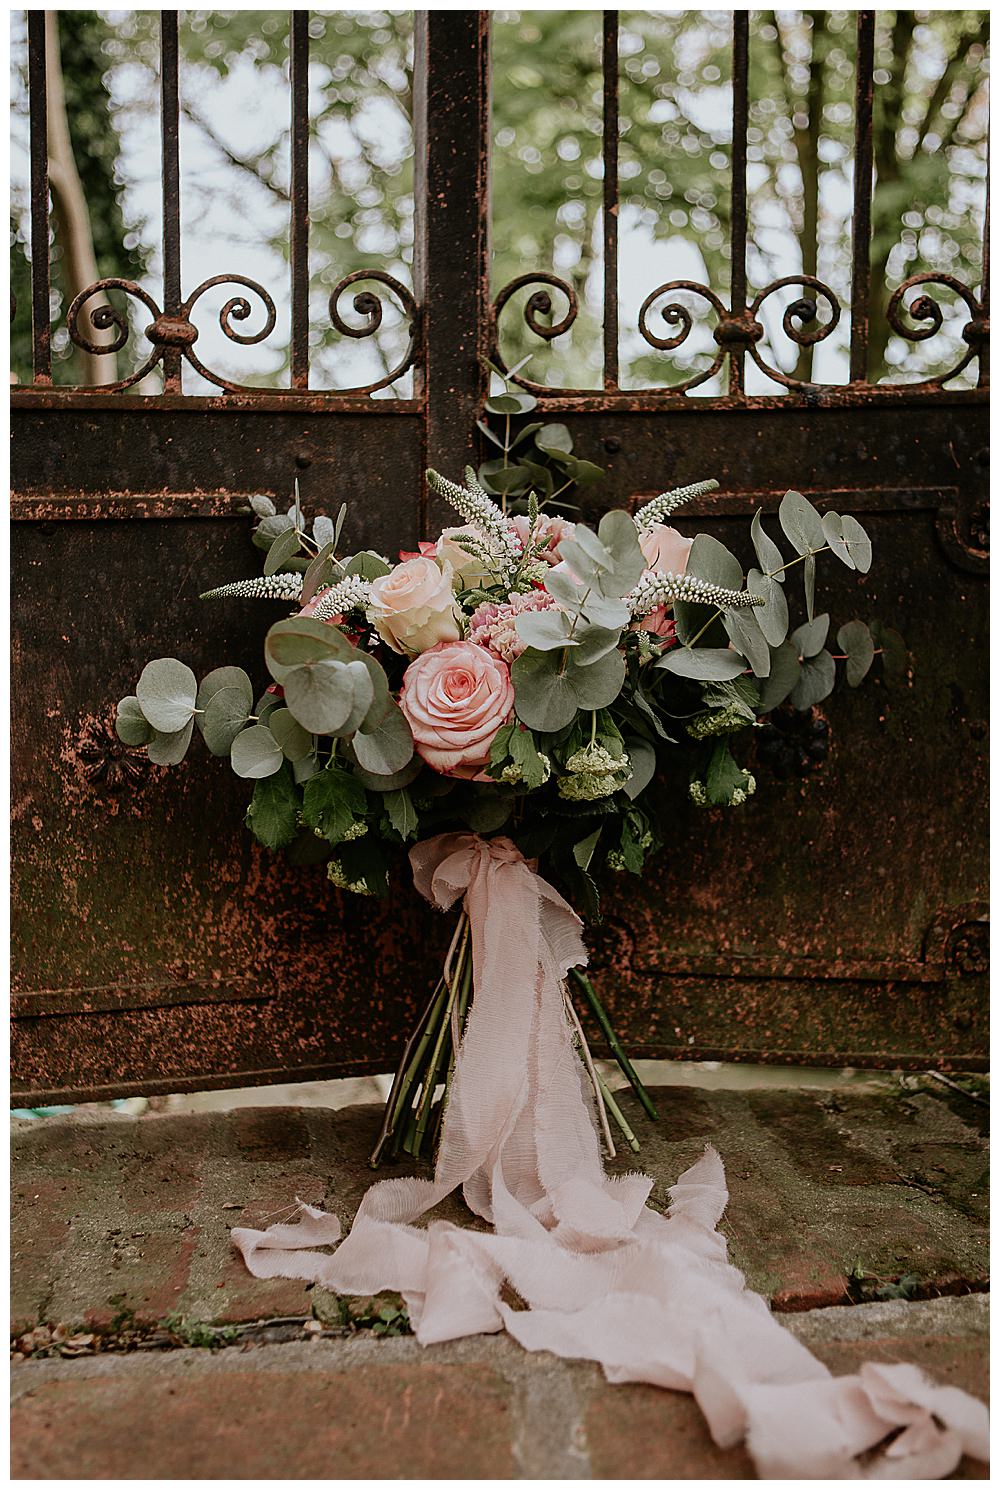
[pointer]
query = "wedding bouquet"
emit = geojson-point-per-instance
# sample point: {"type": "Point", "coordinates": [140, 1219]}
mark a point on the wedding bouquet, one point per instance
{"type": "Point", "coordinates": [523, 675]}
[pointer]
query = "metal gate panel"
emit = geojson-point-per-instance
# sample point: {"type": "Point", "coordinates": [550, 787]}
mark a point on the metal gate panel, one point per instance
{"type": "Point", "coordinates": [157, 948]}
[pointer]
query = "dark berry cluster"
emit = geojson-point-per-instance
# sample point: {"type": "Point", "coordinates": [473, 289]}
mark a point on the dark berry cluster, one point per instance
{"type": "Point", "coordinates": [793, 742]}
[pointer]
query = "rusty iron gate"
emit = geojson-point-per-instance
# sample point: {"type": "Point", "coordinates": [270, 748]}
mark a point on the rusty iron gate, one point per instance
{"type": "Point", "coordinates": [156, 948]}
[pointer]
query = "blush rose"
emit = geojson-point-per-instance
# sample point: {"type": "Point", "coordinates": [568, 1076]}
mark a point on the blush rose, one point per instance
{"type": "Point", "coordinates": [455, 697]}
{"type": "Point", "coordinates": [413, 607]}
{"type": "Point", "coordinates": [665, 550]}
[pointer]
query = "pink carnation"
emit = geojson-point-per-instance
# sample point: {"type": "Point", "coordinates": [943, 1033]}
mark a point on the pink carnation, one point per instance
{"type": "Point", "coordinates": [493, 626]}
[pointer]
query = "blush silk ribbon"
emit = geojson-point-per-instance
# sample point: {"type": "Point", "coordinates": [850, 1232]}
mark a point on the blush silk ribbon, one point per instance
{"type": "Point", "coordinates": [605, 1278]}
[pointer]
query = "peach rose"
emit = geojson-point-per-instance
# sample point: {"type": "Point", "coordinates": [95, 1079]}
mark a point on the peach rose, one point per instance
{"type": "Point", "coordinates": [468, 570]}
{"type": "Point", "coordinates": [664, 549]}
{"type": "Point", "coordinates": [413, 607]}
{"type": "Point", "coordinates": [455, 698]}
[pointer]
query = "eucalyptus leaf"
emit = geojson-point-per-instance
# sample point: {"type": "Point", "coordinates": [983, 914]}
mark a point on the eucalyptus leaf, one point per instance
{"type": "Point", "coordinates": [833, 529]}
{"type": "Point", "coordinates": [284, 547]}
{"type": "Point", "coordinates": [801, 523]}
{"type": "Point", "coordinates": [549, 690]}
{"type": "Point", "coordinates": [166, 691]}
{"type": "Point", "coordinates": [562, 587]}
{"type": "Point", "coordinates": [555, 437]}
{"type": "Point", "coordinates": [488, 810]}
{"type": "Point", "coordinates": [376, 782]}
{"type": "Point", "coordinates": [271, 528]}
{"type": "Point", "coordinates": [256, 753]}
{"type": "Point", "coordinates": [320, 572]}
{"type": "Point", "coordinates": [858, 543]}
{"type": "Point", "coordinates": [747, 636]}
{"type": "Point", "coordinates": [596, 684]}
{"type": "Point", "coordinates": [594, 642]}
{"type": "Point", "coordinates": [330, 697]}
{"type": "Point", "coordinates": [339, 525]}
{"type": "Point", "coordinates": [302, 642]}
{"type": "Point", "coordinates": [388, 748]}
{"type": "Point", "coordinates": [767, 551]}
{"type": "Point", "coordinates": [224, 677]}
{"type": "Point", "coordinates": [809, 584]}
{"type": "Point", "coordinates": [855, 640]}
{"type": "Point", "coordinates": [262, 506]}
{"type": "Point", "coordinates": [324, 533]}
{"type": "Point", "coordinates": [225, 715]}
{"type": "Point", "coordinates": [784, 675]}
{"type": "Point", "coordinates": [704, 663]}
{"type": "Point", "coordinates": [643, 758]}
{"type": "Point", "coordinates": [305, 769]}
{"type": "Point", "coordinates": [296, 743]}
{"type": "Point", "coordinates": [170, 748]}
{"type": "Point", "coordinates": [368, 565]}
{"type": "Point", "coordinates": [815, 682]}
{"type": "Point", "coordinates": [131, 725]}
{"type": "Point", "coordinates": [711, 560]}
{"type": "Point", "coordinates": [618, 535]}
{"type": "Point", "coordinates": [810, 638]}
{"type": "Point", "coordinates": [772, 616]}
{"type": "Point", "coordinates": [606, 612]}
{"type": "Point", "coordinates": [544, 629]}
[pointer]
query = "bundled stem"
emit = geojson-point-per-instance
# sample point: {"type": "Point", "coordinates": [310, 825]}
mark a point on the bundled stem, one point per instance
{"type": "Point", "coordinates": [414, 1112]}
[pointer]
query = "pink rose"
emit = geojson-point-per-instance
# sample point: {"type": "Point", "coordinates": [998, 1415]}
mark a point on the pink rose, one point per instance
{"type": "Point", "coordinates": [548, 530]}
{"type": "Point", "coordinates": [455, 698]}
{"type": "Point", "coordinates": [664, 549]}
{"type": "Point", "coordinates": [413, 607]}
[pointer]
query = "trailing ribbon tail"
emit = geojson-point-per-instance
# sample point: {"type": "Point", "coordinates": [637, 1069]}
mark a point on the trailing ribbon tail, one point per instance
{"type": "Point", "coordinates": [651, 1297]}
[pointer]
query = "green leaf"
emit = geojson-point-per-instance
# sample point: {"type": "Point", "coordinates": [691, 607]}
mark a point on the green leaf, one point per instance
{"type": "Point", "coordinates": [332, 802]}
{"type": "Point", "coordinates": [709, 559]}
{"type": "Point", "coordinates": [262, 506]}
{"type": "Point", "coordinates": [801, 523]}
{"type": "Point", "coordinates": [319, 574]}
{"type": "Point", "coordinates": [284, 547]}
{"type": "Point", "coordinates": [583, 849]}
{"type": "Point", "coordinates": [605, 612]}
{"type": "Point", "coordinates": [833, 529]}
{"type": "Point", "coordinates": [368, 565]}
{"type": "Point", "coordinates": [544, 629]}
{"type": "Point", "coordinates": [855, 640]}
{"type": "Point", "coordinates": [555, 437]}
{"type": "Point", "coordinates": [549, 690]}
{"type": "Point", "coordinates": [131, 725]}
{"type": "Point", "coordinates": [724, 776]}
{"type": "Point", "coordinates": [227, 712]}
{"type": "Point", "coordinates": [304, 769]}
{"type": "Point", "coordinates": [256, 753]}
{"type": "Point", "coordinates": [784, 675]}
{"type": "Point", "coordinates": [705, 663]}
{"type": "Point", "coordinates": [488, 810]}
{"type": "Point", "coordinates": [593, 643]}
{"type": "Point", "coordinates": [811, 637]}
{"type": "Point", "coordinates": [772, 616]}
{"type": "Point", "coordinates": [391, 783]}
{"type": "Point", "coordinates": [338, 527]}
{"type": "Point", "coordinates": [815, 682]}
{"type": "Point", "coordinates": [858, 543]}
{"type": "Point", "coordinates": [767, 551]}
{"type": "Point", "coordinates": [330, 697]}
{"type": "Point", "coordinates": [388, 747]}
{"type": "Point", "coordinates": [300, 642]}
{"type": "Point", "coordinates": [809, 584]}
{"type": "Point", "coordinates": [169, 749]}
{"type": "Point", "coordinates": [296, 743]}
{"type": "Point", "coordinates": [895, 658]}
{"type": "Point", "coordinates": [271, 528]}
{"type": "Point", "coordinates": [748, 637]}
{"type": "Point", "coordinates": [564, 588]}
{"type": "Point", "coordinates": [272, 816]}
{"type": "Point", "coordinates": [599, 683]}
{"type": "Point", "coordinates": [166, 691]}
{"type": "Point", "coordinates": [523, 751]}
{"type": "Point", "coordinates": [643, 758]}
{"type": "Point", "coordinates": [402, 813]}
{"type": "Point", "coordinates": [224, 677]}
{"type": "Point", "coordinates": [324, 533]}
{"type": "Point", "coordinates": [618, 535]}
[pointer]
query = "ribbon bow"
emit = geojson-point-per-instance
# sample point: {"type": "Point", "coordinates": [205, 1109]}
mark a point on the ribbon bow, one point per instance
{"type": "Point", "coordinates": [651, 1297]}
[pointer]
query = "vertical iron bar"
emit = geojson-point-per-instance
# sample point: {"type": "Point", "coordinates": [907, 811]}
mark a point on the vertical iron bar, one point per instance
{"type": "Point", "coordinates": [451, 256]}
{"type": "Point", "coordinates": [983, 380]}
{"type": "Point", "coordinates": [171, 188]}
{"type": "Point", "coordinates": [299, 245]}
{"type": "Point", "coordinates": [41, 335]}
{"type": "Point", "coordinates": [609, 64]}
{"type": "Point", "coordinates": [738, 216]}
{"type": "Point", "coordinates": [861, 288]}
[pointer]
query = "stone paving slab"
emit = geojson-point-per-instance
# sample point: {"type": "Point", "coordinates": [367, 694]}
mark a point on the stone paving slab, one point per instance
{"type": "Point", "coordinates": [128, 1219]}
{"type": "Point", "coordinates": [362, 1408]}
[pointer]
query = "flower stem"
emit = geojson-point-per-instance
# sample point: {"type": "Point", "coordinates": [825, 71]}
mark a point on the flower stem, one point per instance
{"type": "Point", "coordinates": [619, 1118]}
{"type": "Point", "coordinates": [588, 1061]}
{"type": "Point", "coordinates": [628, 1071]}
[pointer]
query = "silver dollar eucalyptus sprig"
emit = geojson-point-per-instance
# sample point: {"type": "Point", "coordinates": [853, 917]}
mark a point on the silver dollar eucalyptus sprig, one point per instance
{"type": "Point", "coordinates": [266, 587]}
{"type": "Point", "coordinates": [667, 502]}
{"type": "Point", "coordinates": [663, 589]}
